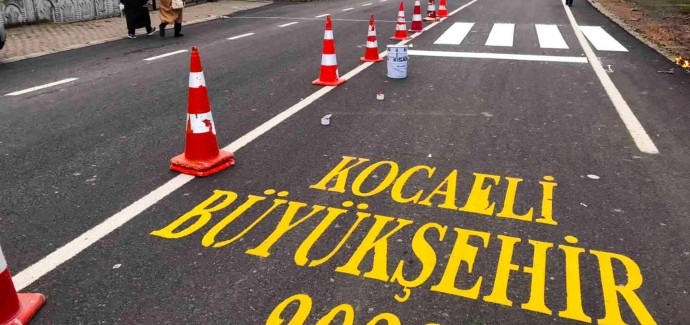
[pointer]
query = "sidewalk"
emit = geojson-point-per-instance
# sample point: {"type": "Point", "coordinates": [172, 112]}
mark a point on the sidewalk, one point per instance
{"type": "Point", "coordinates": [41, 39]}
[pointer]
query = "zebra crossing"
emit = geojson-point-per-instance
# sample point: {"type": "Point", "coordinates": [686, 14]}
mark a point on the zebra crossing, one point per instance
{"type": "Point", "coordinates": [549, 36]}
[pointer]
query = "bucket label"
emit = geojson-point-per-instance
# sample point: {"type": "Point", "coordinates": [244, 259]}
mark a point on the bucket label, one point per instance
{"type": "Point", "coordinates": [397, 62]}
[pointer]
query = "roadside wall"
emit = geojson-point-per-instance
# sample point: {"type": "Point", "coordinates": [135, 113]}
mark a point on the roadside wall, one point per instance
{"type": "Point", "coordinates": [19, 12]}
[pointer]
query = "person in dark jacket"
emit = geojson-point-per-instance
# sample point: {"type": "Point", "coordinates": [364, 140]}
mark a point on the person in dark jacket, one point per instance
{"type": "Point", "coordinates": [137, 14]}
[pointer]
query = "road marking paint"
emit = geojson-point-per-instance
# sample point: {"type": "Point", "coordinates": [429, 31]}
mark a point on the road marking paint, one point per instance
{"type": "Point", "coordinates": [52, 84]}
{"type": "Point", "coordinates": [384, 0]}
{"type": "Point", "coordinates": [601, 39]}
{"type": "Point", "coordinates": [642, 140]}
{"type": "Point", "coordinates": [321, 16]}
{"type": "Point", "coordinates": [500, 56]}
{"type": "Point", "coordinates": [164, 55]}
{"type": "Point", "coordinates": [37, 270]}
{"type": "Point", "coordinates": [366, 4]}
{"type": "Point", "coordinates": [240, 36]}
{"type": "Point", "coordinates": [501, 35]}
{"type": "Point", "coordinates": [288, 24]}
{"type": "Point", "coordinates": [293, 18]}
{"type": "Point", "coordinates": [348, 9]}
{"type": "Point", "coordinates": [455, 34]}
{"type": "Point", "coordinates": [550, 37]}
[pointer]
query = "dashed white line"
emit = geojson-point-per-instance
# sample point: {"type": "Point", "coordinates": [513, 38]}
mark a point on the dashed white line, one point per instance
{"type": "Point", "coordinates": [637, 132]}
{"type": "Point", "coordinates": [366, 4]}
{"type": "Point", "coordinates": [348, 9]}
{"type": "Point", "coordinates": [288, 24]}
{"type": "Point", "coordinates": [321, 16]}
{"type": "Point", "coordinates": [52, 84]}
{"type": "Point", "coordinates": [37, 270]}
{"type": "Point", "coordinates": [164, 55]}
{"type": "Point", "coordinates": [240, 36]}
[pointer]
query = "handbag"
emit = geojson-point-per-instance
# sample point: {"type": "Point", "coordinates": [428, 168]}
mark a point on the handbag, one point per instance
{"type": "Point", "coordinates": [177, 4]}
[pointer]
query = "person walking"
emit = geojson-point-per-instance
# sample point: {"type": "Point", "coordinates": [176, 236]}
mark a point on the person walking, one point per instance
{"type": "Point", "coordinates": [137, 16]}
{"type": "Point", "coordinates": [171, 13]}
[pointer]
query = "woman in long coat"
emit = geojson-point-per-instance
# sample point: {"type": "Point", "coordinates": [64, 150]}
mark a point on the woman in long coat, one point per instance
{"type": "Point", "coordinates": [137, 15]}
{"type": "Point", "coordinates": [170, 15]}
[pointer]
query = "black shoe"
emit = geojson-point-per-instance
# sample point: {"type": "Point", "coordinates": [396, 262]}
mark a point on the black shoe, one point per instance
{"type": "Point", "coordinates": [132, 36]}
{"type": "Point", "coordinates": [151, 31]}
{"type": "Point", "coordinates": [178, 30]}
{"type": "Point", "coordinates": [162, 30]}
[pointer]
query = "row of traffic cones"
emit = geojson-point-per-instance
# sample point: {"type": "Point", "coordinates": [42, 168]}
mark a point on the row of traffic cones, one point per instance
{"type": "Point", "coordinates": [329, 67]}
{"type": "Point", "coordinates": [202, 157]}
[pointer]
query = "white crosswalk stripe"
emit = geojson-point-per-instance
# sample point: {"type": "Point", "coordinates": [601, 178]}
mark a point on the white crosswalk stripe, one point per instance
{"type": "Point", "coordinates": [601, 40]}
{"type": "Point", "coordinates": [550, 36]}
{"type": "Point", "coordinates": [455, 34]}
{"type": "Point", "coordinates": [501, 35]}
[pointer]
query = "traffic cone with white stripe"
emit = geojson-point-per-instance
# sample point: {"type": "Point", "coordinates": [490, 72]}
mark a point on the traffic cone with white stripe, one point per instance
{"type": "Point", "coordinates": [442, 10]}
{"type": "Point", "coordinates": [401, 25]}
{"type": "Point", "coordinates": [201, 156]}
{"type": "Point", "coordinates": [417, 25]}
{"type": "Point", "coordinates": [16, 308]}
{"type": "Point", "coordinates": [431, 11]}
{"type": "Point", "coordinates": [371, 53]}
{"type": "Point", "coordinates": [329, 64]}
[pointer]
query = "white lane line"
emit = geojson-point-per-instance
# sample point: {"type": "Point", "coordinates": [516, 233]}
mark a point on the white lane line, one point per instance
{"type": "Point", "coordinates": [601, 39]}
{"type": "Point", "coordinates": [501, 35]}
{"type": "Point", "coordinates": [455, 34]}
{"type": "Point", "coordinates": [348, 9]}
{"type": "Point", "coordinates": [500, 56]}
{"type": "Point", "coordinates": [321, 16]}
{"type": "Point", "coordinates": [240, 36]}
{"type": "Point", "coordinates": [366, 4]}
{"type": "Point", "coordinates": [310, 19]}
{"type": "Point", "coordinates": [37, 270]}
{"type": "Point", "coordinates": [288, 24]}
{"type": "Point", "coordinates": [164, 55]}
{"type": "Point", "coordinates": [642, 140]}
{"type": "Point", "coordinates": [550, 37]}
{"type": "Point", "coordinates": [384, 0]}
{"type": "Point", "coordinates": [52, 84]}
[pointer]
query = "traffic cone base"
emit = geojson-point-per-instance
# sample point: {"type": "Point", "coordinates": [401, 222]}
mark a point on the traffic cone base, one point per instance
{"type": "Point", "coordinates": [400, 38]}
{"type": "Point", "coordinates": [202, 168]}
{"type": "Point", "coordinates": [320, 82]}
{"type": "Point", "coordinates": [29, 304]}
{"type": "Point", "coordinates": [363, 59]}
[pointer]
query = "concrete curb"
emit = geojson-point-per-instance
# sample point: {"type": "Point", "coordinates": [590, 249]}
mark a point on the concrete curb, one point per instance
{"type": "Point", "coordinates": [105, 40]}
{"type": "Point", "coordinates": [666, 53]}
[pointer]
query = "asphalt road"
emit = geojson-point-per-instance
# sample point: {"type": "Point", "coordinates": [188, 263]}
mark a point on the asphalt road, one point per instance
{"type": "Point", "coordinates": [506, 188]}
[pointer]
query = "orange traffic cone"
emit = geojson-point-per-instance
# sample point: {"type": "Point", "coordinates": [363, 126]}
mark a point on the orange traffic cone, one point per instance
{"type": "Point", "coordinates": [16, 308]}
{"type": "Point", "coordinates": [400, 25]}
{"type": "Point", "coordinates": [417, 25]}
{"type": "Point", "coordinates": [201, 156]}
{"type": "Point", "coordinates": [442, 10]}
{"type": "Point", "coordinates": [431, 11]}
{"type": "Point", "coordinates": [371, 53]}
{"type": "Point", "coordinates": [329, 64]}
